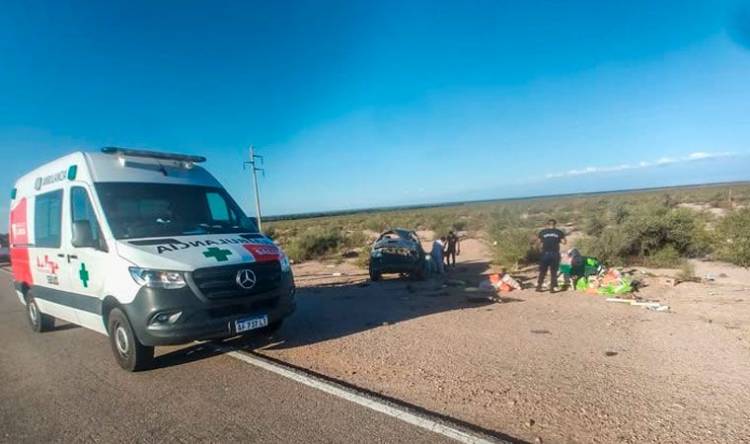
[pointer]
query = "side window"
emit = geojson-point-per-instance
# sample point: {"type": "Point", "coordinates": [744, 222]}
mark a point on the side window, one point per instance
{"type": "Point", "coordinates": [81, 210]}
{"type": "Point", "coordinates": [218, 207]}
{"type": "Point", "coordinates": [47, 219]}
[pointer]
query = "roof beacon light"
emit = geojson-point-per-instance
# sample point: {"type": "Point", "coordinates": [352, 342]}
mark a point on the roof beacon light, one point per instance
{"type": "Point", "coordinates": [121, 153]}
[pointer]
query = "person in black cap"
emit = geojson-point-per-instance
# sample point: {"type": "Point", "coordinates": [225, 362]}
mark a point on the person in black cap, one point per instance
{"type": "Point", "coordinates": [453, 249]}
{"type": "Point", "coordinates": [550, 238]}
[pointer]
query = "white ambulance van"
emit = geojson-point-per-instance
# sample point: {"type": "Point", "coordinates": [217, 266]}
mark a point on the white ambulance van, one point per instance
{"type": "Point", "coordinates": [145, 247]}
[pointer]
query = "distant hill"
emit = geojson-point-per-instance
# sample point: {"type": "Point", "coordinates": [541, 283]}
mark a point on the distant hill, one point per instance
{"type": "Point", "coordinates": [508, 199]}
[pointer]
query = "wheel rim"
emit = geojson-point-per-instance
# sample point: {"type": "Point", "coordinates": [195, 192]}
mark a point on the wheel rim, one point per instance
{"type": "Point", "coordinates": [121, 340]}
{"type": "Point", "coordinates": [33, 312]}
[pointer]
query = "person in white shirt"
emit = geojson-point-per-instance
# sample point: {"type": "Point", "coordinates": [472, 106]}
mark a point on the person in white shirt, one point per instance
{"type": "Point", "coordinates": [437, 254]}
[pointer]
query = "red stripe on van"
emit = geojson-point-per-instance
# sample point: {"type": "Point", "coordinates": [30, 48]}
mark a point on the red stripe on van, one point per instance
{"type": "Point", "coordinates": [19, 235]}
{"type": "Point", "coordinates": [263, 252]}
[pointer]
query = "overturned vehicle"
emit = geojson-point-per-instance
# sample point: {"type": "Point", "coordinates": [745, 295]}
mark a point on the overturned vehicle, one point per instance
{"type": "Point", "coordinates": [397, 251]}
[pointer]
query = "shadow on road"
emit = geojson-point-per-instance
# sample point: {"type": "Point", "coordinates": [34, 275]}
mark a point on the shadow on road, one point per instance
{"type": "Point", "coordinates": [327, 311]}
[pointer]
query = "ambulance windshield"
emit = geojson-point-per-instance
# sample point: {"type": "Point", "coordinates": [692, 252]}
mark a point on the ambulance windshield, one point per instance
{"type": "Point", "coordinates": [136, 210]}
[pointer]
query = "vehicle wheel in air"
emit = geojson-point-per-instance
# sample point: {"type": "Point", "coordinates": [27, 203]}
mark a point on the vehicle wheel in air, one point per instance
{"type": "Point", "coordinates": [419, 274]}
{"type": "Point", "coordinates": [374, 275]}
{"type": "Point", "coordinates": [129, 353]}
{"type": "Point", "coordinates": [39, 321]}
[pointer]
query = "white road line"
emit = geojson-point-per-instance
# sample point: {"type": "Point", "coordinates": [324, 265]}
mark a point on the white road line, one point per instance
{"type": "Point", "coordinates": [370, 403]}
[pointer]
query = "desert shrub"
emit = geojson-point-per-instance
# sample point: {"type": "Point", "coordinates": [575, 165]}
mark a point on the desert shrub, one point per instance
{"type": "Point", "coordinates": [656, 228]}
{"type": "Point", "coordinates": [653, 234]}
{"type": "Point", "coordinates": [594, 225]}
{"type": "Point", "coordinates": [732, 238]}
{"type": "Point", "coordinates": [376, 223]}
{"type": "Point", "coordinates": [619, 213]}
{"type": "Point", "coordinates": [512, 247]}
{"type": "Point", "coordinates": [314, 243]}
{"type": "Point", "coordinates": [666, 257]}
{"type": "Point", "coordinates": [687, 271]}
{"type": "Point", "coordinates": [612, 246]}
{"type": "Point", "coordinates": [270, 231]}
{"type": "Point", "coordinates": [513, 244]}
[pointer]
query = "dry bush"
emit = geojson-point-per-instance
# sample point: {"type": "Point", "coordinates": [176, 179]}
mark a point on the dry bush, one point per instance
{"type": "Point", "coordinates": [732, 238]}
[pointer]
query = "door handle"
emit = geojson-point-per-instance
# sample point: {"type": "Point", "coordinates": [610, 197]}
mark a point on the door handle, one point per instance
{"type": "Point", "coordinates": [72, 256]}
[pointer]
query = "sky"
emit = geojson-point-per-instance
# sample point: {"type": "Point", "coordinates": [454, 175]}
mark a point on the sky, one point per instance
{"type": "Point", "coordinates": [358, 104]}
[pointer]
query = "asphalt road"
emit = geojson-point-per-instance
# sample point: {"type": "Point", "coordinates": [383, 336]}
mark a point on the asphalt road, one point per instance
{"type": "Point", "coordinates": [64, 386]}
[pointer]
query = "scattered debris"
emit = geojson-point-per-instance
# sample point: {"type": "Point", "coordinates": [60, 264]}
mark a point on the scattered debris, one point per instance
{"type": "Point", "coordinates": [541, 332]}
{"type": "Point", "coordinates": [651, 305]}
{"type": "Point", "coordinates": [669, 281]}
{"type": "Point", "coordinates": [610, 353]}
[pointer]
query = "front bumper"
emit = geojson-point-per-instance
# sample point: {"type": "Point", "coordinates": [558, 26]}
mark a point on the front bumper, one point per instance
{"type": "Point", "coordinates": [203, 318]}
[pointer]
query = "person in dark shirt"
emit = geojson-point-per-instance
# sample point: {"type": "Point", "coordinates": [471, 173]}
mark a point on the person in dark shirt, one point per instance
{"type": "Point", "coordinates": [452, 249]}
{"type": "Point", "coordinates": [550, 239]}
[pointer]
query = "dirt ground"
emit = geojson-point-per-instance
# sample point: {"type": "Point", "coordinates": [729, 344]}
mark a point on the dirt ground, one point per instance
{"type": "Point", "coordinates": [566, 367]}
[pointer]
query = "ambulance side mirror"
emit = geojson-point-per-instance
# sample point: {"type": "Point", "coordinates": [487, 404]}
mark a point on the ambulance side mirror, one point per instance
{"type": "Point", "coordinates": [82, 235]}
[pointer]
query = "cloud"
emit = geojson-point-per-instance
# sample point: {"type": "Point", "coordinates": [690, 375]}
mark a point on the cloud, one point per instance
{"type": "Point", "coordinates": [698, 155]}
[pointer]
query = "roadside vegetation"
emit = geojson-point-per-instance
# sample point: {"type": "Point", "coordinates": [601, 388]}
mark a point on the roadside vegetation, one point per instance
{"type": "Point", "coordinates": [651, 228]}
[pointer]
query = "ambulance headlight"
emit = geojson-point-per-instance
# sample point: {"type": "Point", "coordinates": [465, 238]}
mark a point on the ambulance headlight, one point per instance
{"type": "Point", "coordinates": [285, 265]}
{"type": "Point", "coordinates": [157, 278]}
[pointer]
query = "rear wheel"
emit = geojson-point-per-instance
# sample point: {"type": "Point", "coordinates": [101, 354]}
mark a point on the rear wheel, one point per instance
{"type": "Point", "coordinates": [129, 353]}
{"type": "Point", "coordinates": [421, 272]}
{"type": "Point", "coordinates": [39, 321]}
{"type": "Point", "coordinates": [374, 275]}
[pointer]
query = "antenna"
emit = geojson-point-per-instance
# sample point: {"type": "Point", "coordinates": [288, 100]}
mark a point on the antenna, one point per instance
{"type": "Point", "coordinates": [254, 170]}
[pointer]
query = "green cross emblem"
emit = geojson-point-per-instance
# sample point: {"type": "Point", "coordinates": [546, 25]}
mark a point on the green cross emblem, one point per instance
{"type": "Point", "coordinates": [219, 254]}
{"type": "Point", "coordinates": [83, 274]}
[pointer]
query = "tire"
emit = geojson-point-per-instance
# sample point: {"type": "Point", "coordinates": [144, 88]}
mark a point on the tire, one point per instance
{"type": "Point", "coordinates": [374, 275]}
{"type": "Point", "coordinates": [420, 273]}
{"type": "Point", "coordinates": [39, 321]}
{"type": "Point", "coordinates": [129, 353]}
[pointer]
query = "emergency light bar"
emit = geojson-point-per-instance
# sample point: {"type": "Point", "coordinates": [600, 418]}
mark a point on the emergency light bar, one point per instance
{"type": "Point", "coordinates": [152, 154]}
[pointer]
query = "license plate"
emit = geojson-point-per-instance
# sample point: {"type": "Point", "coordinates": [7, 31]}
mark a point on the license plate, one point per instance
{"type": "Point", "coordinates": [250, 324]}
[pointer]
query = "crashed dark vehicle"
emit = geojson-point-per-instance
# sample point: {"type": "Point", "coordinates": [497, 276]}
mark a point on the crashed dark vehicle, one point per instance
{"type": "Point", "coordinates": [397, 251]}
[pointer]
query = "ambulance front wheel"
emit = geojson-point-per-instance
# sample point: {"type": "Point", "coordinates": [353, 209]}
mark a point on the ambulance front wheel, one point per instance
{"type": "Point", "coordinates": [39, 321]}
{"type": "Point", "coordinates": [129, 353]}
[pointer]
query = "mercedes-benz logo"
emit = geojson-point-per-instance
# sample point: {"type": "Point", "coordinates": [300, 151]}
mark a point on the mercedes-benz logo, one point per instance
{"type": "Point", "coordinates": [246, 279]}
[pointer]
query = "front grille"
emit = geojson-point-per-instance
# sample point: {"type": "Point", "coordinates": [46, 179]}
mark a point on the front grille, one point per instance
{"type": "Point", "coordinates": [221, 282]}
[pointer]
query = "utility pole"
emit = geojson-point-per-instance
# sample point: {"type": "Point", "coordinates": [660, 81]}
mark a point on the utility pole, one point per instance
{"type": "Point", "coordinates": [254, 170]}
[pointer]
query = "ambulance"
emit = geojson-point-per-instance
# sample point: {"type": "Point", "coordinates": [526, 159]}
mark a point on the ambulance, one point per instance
{"type": "Point", "coordinates": [145, 247]}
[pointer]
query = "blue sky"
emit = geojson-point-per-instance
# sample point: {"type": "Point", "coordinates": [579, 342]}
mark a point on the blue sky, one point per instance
{"type": "Point", "coordinates": [360, 104]}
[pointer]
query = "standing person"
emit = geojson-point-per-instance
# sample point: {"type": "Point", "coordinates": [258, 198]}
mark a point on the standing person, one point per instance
{"type": "Point", "coordinates": [550, 238]}
{"type": "Point", "coordinates": [452, 249]}
{"type": "Point", "coordinates": [437, 254]}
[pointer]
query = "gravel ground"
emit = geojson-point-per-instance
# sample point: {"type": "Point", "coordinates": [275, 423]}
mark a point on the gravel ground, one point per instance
{"type": "Point", "coordinates": [566, 367]}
